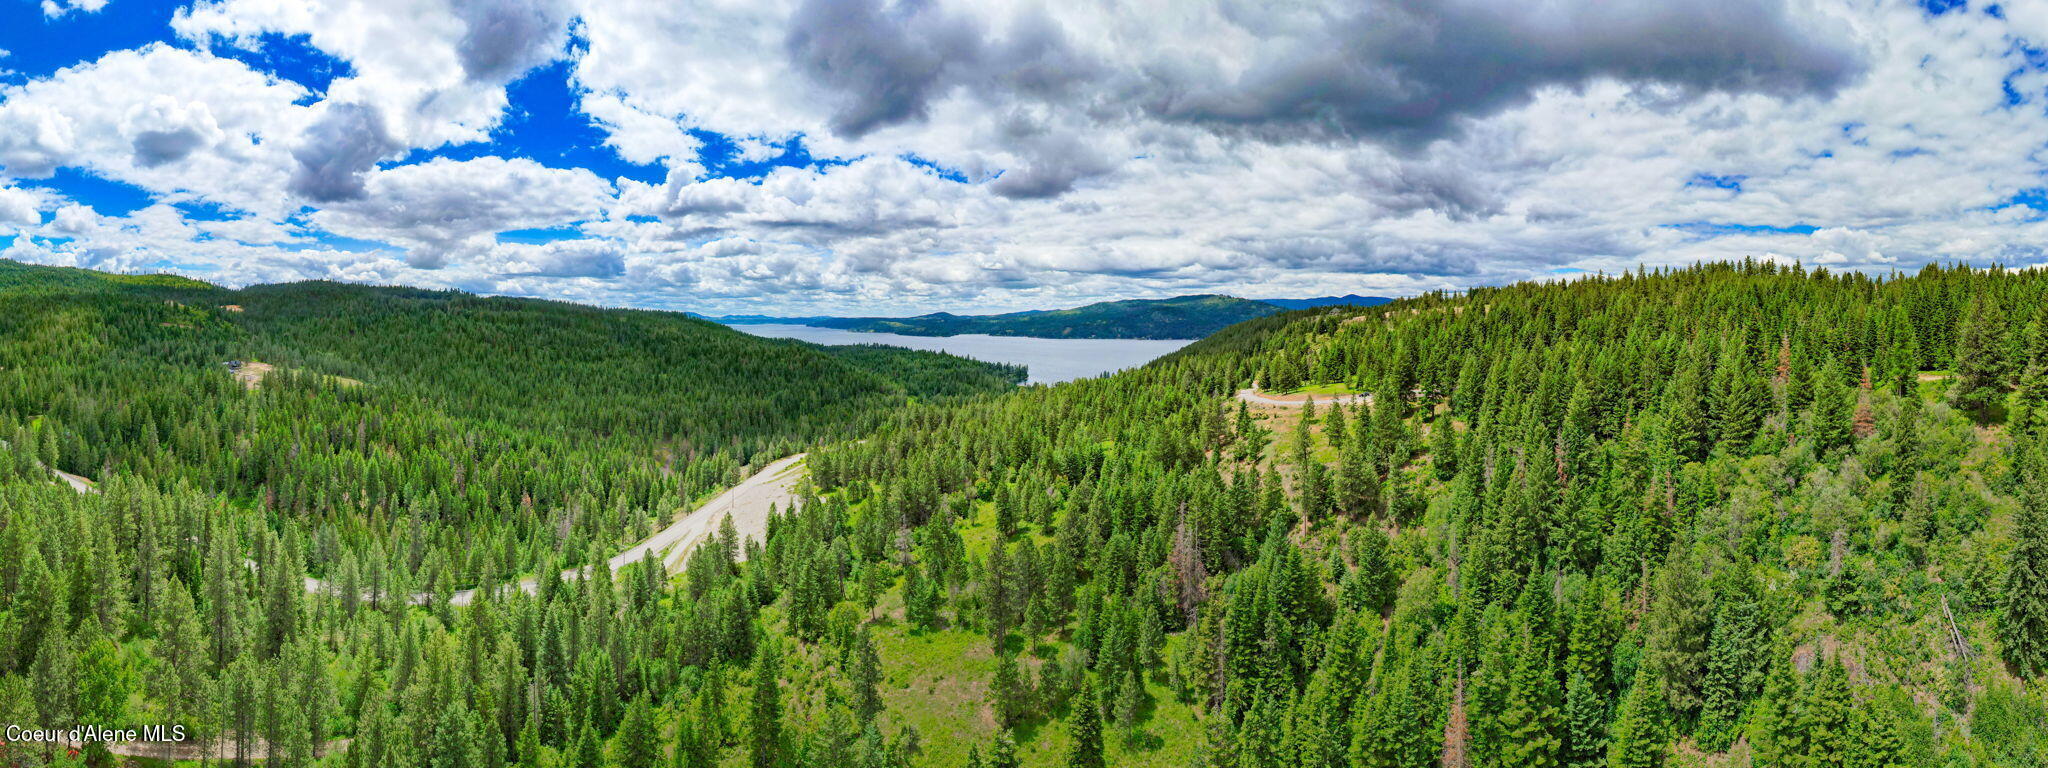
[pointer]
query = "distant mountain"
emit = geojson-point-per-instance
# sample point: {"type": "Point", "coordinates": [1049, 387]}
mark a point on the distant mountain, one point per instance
{"type": "Point", "coordinates": [1180, 317]}
{"type": "Point", "coordinates": [1348, 300]}
{"type": "Point", "coordinates": [762, 319]}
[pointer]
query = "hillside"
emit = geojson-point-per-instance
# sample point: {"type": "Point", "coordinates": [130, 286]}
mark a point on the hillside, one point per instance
{"type": "Point", "coordinates": [1180, 317]}
{"type": "Point", "coordinates": [1657, 519]}
{"type": "Point", "coordinates": [426, 420]}
{"type": "Point", "coordinates": [1734, 515]}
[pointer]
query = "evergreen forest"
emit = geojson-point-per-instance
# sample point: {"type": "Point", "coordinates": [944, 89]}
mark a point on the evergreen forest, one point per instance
{"type": "Point", "coordinates": [1737, 514]}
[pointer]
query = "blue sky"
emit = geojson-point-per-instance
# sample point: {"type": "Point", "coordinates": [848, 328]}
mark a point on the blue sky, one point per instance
{"type": "Point", "coordinates": [885, 156]}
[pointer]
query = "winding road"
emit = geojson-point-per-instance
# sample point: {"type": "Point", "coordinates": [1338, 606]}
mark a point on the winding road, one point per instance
{"type": "Point", "coordinates": [748, 504]}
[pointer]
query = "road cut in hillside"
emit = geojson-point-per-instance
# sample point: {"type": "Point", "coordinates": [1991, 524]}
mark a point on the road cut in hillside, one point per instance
{"type": "Point", "coordinates": [774, 487]}
{"type": "Point", "coordinates": [1256, 397]}
{"type": "Point", "coordinates": [747, 504]}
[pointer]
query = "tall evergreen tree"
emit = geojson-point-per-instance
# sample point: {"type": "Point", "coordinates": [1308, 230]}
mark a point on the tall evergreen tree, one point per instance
{"type": "Point", "coordinates": [1980, 357]}
{"type": "Point", "coordinates": [1829, 423]}
{"type": "Point", "coordinates": [1084, 729]}
{"type": "Point", "coordinates": [638, 745]}
{"type": "Point", "coordinates": [764, 713]}
{"type": "Point", "coordinates": [1638, 739]}
{"type": "Point", "coordinates": [2023, 606]}
{"type": "Point", "coordinates": [1585, 724]}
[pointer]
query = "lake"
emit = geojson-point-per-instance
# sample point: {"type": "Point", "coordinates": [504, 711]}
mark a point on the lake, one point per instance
{"type": "Point", "coordinates": [1050, 360]}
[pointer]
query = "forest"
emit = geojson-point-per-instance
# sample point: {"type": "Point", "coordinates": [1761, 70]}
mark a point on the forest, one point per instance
{"type": "Point", "coordinates": [1737, 514]}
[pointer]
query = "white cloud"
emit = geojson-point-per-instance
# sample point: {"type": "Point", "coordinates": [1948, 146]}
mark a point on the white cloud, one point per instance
{"type": "Point", "coordinates": [164, 119]}
{"type": "Point", "coordinates": [18, 208]}
{"type": "Point", "coordinates": [56, 8]}
{"type": "Point", "coordinates": [434, 70]}
{"type": "Point", "coordinates": [1108, 149]}
{"type": "Point", "coordinates": [442, 209]}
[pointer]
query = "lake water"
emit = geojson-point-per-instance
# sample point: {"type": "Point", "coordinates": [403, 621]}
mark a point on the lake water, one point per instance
{"type": "Point", "coordinates": [1049, 360]}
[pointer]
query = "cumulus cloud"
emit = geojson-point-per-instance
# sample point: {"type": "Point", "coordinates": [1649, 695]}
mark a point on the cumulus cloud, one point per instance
{"type": "Point", "coordinates": [434, 70]}
{"type": "Point", "coordinates": [503, 38]}
{"type": "Point", "coordinates": [18, 208]}
{"type": "Point", "coordinates": [983, 156]}
{"type": "Point", "coordinates": [1410, 69]}
{"type": "Point", "coordinates": [34, 140]}
{"type": "Point", "coordinates": [170, 121]}
{"type": "Point", "coordinates": [336, 151]}
{"type": "Point", "coordinates": [165, 130]}
{"type": "Point", "coordinates": [885, 61]}
{"type": "Point", "coordinates": [444, 209]}
{"type": "Point", "coordinates": [593, 258]}
{"type": "Point", "coordinates": [56, 8]}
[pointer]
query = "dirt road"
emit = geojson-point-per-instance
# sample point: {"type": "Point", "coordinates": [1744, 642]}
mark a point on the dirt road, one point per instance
{"type": "Point", "coordinates": [748, 504]}
{"type": "Point", "coordinates": [1256, 397]}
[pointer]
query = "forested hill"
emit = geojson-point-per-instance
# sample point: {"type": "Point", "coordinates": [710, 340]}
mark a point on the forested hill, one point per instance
{"type": "Point", "coordinates": [485, 419]}
{"type": "Point", "coordinates": [1728, 516]}
{"type": "Point", "coordinates": [1180, 317]}
{"type": "Point", "coordinates": [1734, 515]}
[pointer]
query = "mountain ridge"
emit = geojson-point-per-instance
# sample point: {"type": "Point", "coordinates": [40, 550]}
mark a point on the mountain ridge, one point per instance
{"type": "Point", "coordinates": [1191, 316]}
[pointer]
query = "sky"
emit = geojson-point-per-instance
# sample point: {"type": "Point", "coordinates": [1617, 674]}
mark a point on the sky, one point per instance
{"type": "Point", "coordinates": [885, 157]}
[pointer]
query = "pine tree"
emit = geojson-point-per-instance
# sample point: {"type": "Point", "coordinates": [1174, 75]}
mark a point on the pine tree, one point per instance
{"type": "Point", "coordinates": [866, 676]}
{"type": "Point", "coordinates": [1005, 694]}
{"type": "Point", "coordinates": [920, 598]}
{"type": "Point", "coordinates": [2023, 616]}
{"type": "Point", "coordinates": [1370, 584]}
{"type": "Point", "coordinates": [1741, 399]}
{"type": "Point", "coordinates": [638, 745]}
{"type": "Point", "coordinates": [764, 713]}
{"type": "Point", "coordinates": [2030, 405]}
{"type": "Point", "coordinates": [1772, 724]}
{"type": "Point", "coordinates": [1638, 739]}
{"type": "Point", "coordinates": [1824, 731]}
{"type": "Point", "coordinates": [1731, 668]}
{"type": "Point", "coordinates": [1830, 422]}
{"type": "Point", "coordinates": [1585, 723]}
{"type": "Point", "coordinates": [589, 750]}
{"type": "Point", "coordinates": [1530, 723]}
{"type": "Point", "coordinates": [1878, 744]}
{"type": "Point", "coordinates": [1980, 358]}
{"type": "Point", "coordinates": [1675, 632]}
{"type": "Point", "coordinates": [1084, 749]}
{"type": "Point", "coordinates": [1003, 752]}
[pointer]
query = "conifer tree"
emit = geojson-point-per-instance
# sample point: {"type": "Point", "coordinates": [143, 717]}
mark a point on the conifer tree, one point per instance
{"type": "Point", "coordinates": [2023, 615]}
{"type": "Point", "coordinates": [1084, 749]}
{"type": "Point", "coordinates": [920, 598]}
{"type": "Point", "coordinates": [1585, 724]}
{"type": "Point", "coordinates": [1530, 723]}
{"type": "Point", "coordinates": [764, 713]}
{"type": "Point", "coordinates": [638, 745]}
{"type": "Point", "coordinates": [1980, 357]}
{"type": "Point", "coordinates": [1638, 738]}
{"type": "Point", "coordinates": [1829, 423]}
{"type": "Point", "coordinates": [1005, 694]}
{"type": "Point", "coordinates": [1002, 753]}
{"type": "Point", "coordinates": [865, 673]}
{"type": "Point", "coordinates": [1675, 632]}
{"type": "Point", "coordinates": [1730, 672]}
{"type": "Point", "coordinates": [1824, 730]}
{"type": "Point", "coordinates": [1741, 399]}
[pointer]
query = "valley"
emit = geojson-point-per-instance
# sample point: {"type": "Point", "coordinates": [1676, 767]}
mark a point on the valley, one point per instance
{"type": "Point", "coordinates": [1579, 528]}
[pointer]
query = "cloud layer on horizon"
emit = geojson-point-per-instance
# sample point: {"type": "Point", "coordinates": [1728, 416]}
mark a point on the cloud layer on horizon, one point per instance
{"type": "Point", "coordinates": [848, 155]}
